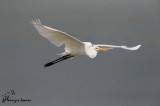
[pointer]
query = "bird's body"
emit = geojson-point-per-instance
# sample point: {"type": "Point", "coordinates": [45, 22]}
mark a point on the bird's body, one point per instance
{"type": "Point", "coordinates": [73, 46]}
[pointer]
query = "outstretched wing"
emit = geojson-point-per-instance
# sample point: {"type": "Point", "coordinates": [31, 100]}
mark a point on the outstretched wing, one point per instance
{"type": "Point", "coordinates": [113, 46]}
{"type": "Point", "coordinates": [57, 37]}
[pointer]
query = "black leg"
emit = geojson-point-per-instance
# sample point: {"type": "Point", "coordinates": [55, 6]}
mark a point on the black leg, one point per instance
{"type": "Point", "coordinates": [58, 60]}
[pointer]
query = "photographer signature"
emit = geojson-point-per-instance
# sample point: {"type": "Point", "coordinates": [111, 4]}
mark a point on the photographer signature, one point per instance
{"type": "Point", "coordinates": [10, 97]}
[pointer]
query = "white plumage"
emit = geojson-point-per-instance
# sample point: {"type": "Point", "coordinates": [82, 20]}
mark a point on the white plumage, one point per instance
{"type": "Point", "coordinates": [113, 46]}
{"type": "Point", "coordinates": [73, 46]}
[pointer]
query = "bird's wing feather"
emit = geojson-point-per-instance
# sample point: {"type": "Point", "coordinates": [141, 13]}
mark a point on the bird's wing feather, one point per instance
{"type": "Point", "coordinates": [57, 37]}
{"type": "Point", "coordinates": [113, 46]}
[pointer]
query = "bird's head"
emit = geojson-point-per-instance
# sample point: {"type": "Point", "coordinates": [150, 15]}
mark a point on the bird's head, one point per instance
{"type": "Point", "coordinates": [91, 50]}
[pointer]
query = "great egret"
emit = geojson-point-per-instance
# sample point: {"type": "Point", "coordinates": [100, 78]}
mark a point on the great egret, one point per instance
{"type": "Point", "coordinates": [73, 46]}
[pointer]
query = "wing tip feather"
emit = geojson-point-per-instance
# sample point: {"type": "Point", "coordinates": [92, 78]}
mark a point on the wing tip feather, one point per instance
{"type": "Point", "coordinates": [36, 21]}
{"type": "Point", "coordinates": [135, 48]}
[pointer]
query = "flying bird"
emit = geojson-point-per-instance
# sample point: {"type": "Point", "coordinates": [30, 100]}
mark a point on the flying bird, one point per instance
{"type": "Point", "coordinates": [73, 47]}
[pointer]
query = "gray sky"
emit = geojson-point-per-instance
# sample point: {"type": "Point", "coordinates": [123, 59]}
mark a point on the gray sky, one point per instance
{"type": "Point", "coordinates": [114, 78]}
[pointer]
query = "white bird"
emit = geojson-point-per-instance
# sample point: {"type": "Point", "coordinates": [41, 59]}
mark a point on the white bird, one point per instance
{"type": "Point", "coordinates": [73, 46]}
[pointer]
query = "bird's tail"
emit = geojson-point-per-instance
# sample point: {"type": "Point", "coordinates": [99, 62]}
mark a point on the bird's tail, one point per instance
{"type": "Point", "coordinates": [58, 60]}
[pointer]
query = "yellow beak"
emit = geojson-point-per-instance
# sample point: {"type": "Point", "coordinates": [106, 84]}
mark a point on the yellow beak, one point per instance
{"type": "Point", "coordinates": [101, 49]}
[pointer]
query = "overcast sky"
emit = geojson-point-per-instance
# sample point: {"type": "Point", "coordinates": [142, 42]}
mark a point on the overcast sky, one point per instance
{"type": "Point", "coordinates": [114, 78]}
